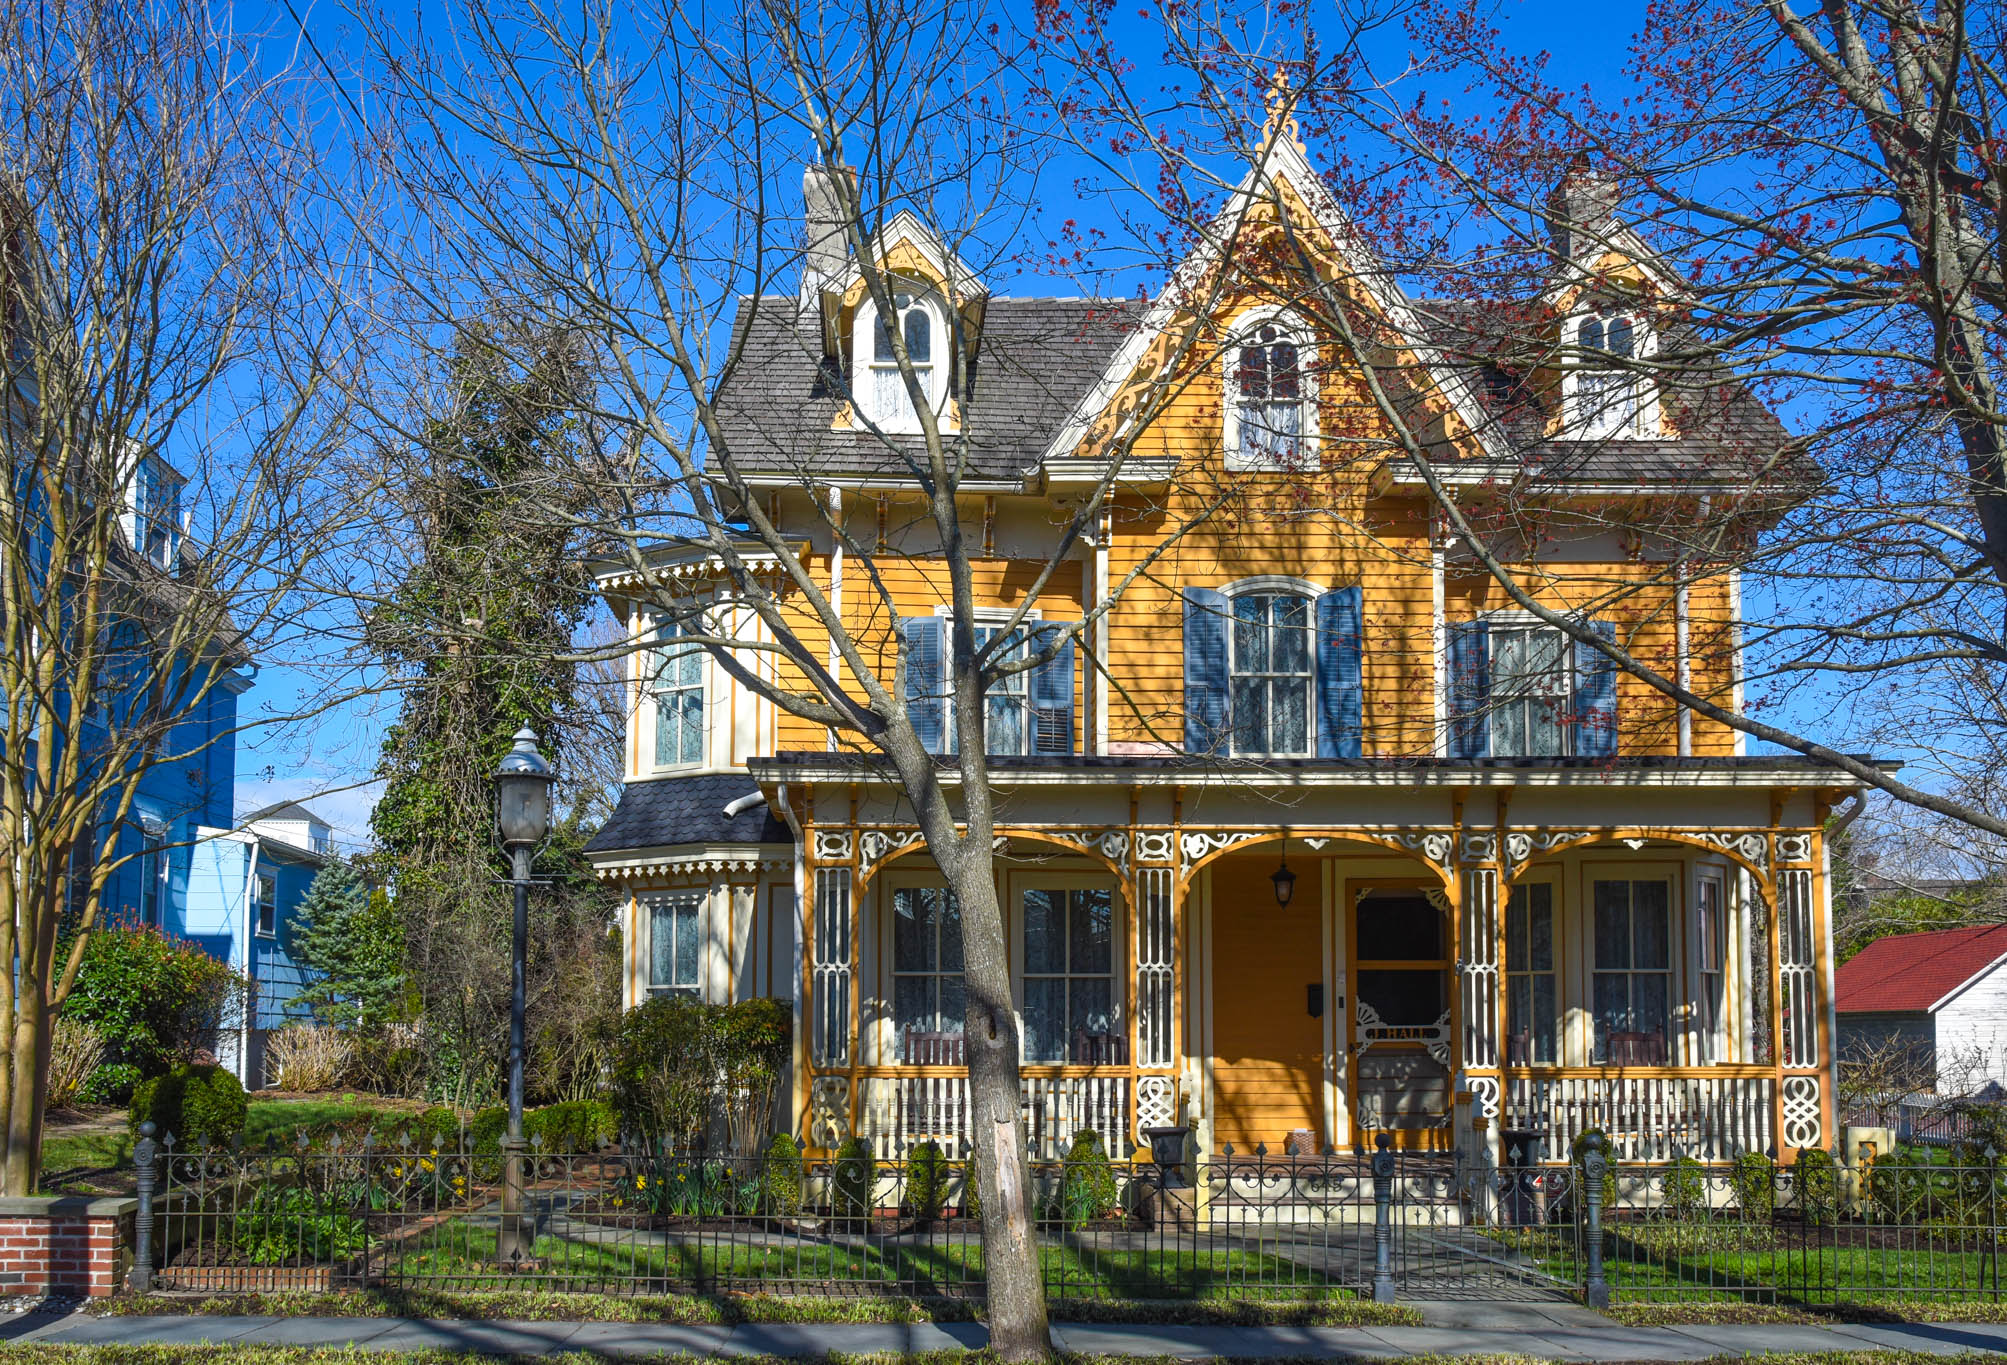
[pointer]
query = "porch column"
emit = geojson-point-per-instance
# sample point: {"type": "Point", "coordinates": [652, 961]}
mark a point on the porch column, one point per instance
{"type": "Point", "coordinates": [830, 984]}
{"type": "Point", "coordinates": [1479, 934]}
{"type": "Point", "coordinates": [1804, 1104]}
{"type": "Point", "coordinates": [1155, 938]}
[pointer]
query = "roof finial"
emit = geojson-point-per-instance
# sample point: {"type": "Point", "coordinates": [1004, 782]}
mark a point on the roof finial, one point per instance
{"type": "Point", "coordinates": [1280, 103]}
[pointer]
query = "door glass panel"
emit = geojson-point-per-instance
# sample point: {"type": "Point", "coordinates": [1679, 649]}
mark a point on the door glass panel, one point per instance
{"type": "Point", "coordinates": [1403, 997]}
{"type": "Point", "coordinates": [1399, 926]}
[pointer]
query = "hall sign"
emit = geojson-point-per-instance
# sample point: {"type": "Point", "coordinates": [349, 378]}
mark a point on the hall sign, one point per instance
{"type": "Point", "coordinates": [1369, 1029]}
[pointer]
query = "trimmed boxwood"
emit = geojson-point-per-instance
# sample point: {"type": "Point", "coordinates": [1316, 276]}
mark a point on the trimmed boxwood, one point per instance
{"type": "Point", "coordinates": [855, 1179]}
{"type": "Point", "coordinates": [781, 1181]}
{"type": "Point", "coordinates": [927, 1173]}
{"type": "Point", "coordinates": [1087, 1189]}
{"type": "Point", "coordinates": [201, 1105]}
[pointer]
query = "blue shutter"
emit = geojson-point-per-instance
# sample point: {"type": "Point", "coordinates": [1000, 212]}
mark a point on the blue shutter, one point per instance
{"type": "Point", "coordinates": [920, 640]}
{"type": "Point", "coordinates": [1340, 642]}
{"type": "Point", "coordinates": [1205, 671]}
{"type": "Point", "coordinates": [1595, 718]}
{"type": "Point", "coordinates": [1469, 690]}
{"type": "Point", "coordinates": [1052, 695]}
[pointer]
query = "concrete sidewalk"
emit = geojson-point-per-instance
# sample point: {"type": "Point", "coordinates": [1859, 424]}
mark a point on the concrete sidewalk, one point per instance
{"type": "Point", "coordinates": [1519, 1329]}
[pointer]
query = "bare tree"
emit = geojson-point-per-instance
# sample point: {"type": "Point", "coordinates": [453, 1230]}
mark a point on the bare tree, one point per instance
{"type": "Point", "coordinates": [632, 171]}
{"type": "Point", "coordinates": [144, 285]}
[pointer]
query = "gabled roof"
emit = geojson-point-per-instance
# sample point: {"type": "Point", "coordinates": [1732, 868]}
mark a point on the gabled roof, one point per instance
{"type": "Point", "coordinates": [1916, 973]}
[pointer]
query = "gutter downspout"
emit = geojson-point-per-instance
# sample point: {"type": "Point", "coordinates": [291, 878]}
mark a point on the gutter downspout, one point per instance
{"type": "Point", "coordinates": [250, 964]}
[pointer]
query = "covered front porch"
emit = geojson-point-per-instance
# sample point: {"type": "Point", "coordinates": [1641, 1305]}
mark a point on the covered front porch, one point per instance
{"type": "Point", "coordinates": [1480, 968]}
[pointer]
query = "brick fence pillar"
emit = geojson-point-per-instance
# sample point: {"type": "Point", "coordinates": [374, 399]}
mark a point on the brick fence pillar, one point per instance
{"type": "Point", "coordinates": [65, 1244]}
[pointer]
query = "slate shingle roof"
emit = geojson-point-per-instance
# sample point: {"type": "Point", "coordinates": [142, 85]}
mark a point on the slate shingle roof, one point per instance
{"type": "Point", "coordinates": [670, 811]}
{"type": "Point", "coordinates": [1034, 360]}
{"type": "Point", "coordinates": [1908, 973]}
{"type": "Point", "coordinates": [1038, 357]}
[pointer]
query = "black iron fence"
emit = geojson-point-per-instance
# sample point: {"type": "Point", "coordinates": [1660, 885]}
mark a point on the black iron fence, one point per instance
{"type": "Point", "coordinates": [636, 1218]}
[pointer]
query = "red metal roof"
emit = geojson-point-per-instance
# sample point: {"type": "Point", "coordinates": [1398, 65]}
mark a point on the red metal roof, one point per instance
{"type": "Point", "coordinates": [1912, 972]}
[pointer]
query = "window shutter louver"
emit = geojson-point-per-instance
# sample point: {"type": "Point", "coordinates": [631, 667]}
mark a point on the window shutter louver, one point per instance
{"type": "Point", "coordinates": [920, 660]}
{"type": "Point", "coordinates": [1595, 717]}
{"type": "Point", "coordinates": [1340, 646]}
{"type": "Point", "coordinates": [1205, 671]}
{"type": "Point", "coordinates": [1469, 689]}
{"type": "Point", "coordinates": [1052, 695]}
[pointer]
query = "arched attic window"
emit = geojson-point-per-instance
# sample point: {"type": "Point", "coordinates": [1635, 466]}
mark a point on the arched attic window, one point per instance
{"type": "Point", "coordinates": [1607, 396]}
{"type": "Point", "coordinates": [880, 389]}
{"type": "Point", "coordinates": [1270, 393]}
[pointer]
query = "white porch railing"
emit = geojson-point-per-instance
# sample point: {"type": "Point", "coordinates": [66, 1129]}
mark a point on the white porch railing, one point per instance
{"type": "Point", "coordinates": [896, 1113]}
{"type": "Point", "coordinates": [1646, 1118]}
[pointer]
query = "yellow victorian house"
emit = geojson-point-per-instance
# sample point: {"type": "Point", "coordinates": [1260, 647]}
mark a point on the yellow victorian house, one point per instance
{"type": "Point", "coordinates": [1314, 835]}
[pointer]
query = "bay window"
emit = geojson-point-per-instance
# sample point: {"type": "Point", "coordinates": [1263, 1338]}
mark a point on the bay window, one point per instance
{"type": "Point", "coordinates": [675, 944]}
{"type": "Point", "coordinates": [1633, 970]}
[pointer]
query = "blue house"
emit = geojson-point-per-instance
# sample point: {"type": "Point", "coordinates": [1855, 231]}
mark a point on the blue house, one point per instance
{"type": "Point", "coordinates": [194, 870]}
{"type": "Point", "coordinates": [242, 899]}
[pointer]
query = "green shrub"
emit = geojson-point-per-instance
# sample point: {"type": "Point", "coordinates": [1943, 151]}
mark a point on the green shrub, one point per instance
{"type": "Point", "coordinates": [781, 1180]}
{"type": "Point", "coordinates": [284, 1222]}
{"type": "Point", "coordinates": [1899, 1189]}
{"type": "Point", "coordinates": [679, 1063]}
{"type": "Point", "coordinates": [927, 1173]}
{"type": "Point", "coordinates": [1753, 1177]}
{"type": "Point", "coordinates": [436, 1129]}
{"type": "Point", "coordinates": [1817, 1185]}
{"type": "Point", "coordinates": [1087, 1187]}
{"type": "Point", "coordinates": [112, 1083]}
{"type": "Point", "coordinates": [1576, 1151]}
{"type": "Point", "coordinates": [578, 1127]}
{"type": "Point", "coordinates": [486, 1130]}
{"type": "Point", "coordinates": [854, 1182]}
{"type": "Point", "coordinates": [972, 1194]}
{"type": "Point", "coordinates": [155, 999]}
{"type": "Point", "coordinates": [201, 1105]}
{"type": "Point", "coordinates": [1685, 1190]}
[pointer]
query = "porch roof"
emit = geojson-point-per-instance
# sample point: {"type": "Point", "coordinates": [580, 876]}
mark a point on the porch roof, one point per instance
{"type": "Point", "coordinates": [1770, 770]}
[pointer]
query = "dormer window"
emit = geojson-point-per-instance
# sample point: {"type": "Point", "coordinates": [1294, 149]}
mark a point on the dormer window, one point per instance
{"type": "Point", "coordinates": [1268, 419]}
{"type": "Point", "coordinates": [879, 388]}
{"type": "Point", "coordinates": [156, 510]}
{"type": "Point", "coordinates": [1606, 395]}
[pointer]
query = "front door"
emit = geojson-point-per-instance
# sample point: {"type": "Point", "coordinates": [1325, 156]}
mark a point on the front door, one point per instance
{"type": "Point", "coordinates": [1268, 1046]}
{"type": "Point", "coordinates": [1399, 1078]}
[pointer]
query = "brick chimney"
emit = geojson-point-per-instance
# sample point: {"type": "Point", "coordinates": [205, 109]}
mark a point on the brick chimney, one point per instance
{"type": "Point", "coordinates": [825, 250]}
{"type": "Point", "coordinates": [1581, 209]}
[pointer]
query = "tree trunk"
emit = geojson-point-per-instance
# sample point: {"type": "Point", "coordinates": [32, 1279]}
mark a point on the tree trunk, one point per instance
{"type": "Point", "coordinates": [1015, 1283]}
{"type": "Point", "coordinates": [24, 1115]}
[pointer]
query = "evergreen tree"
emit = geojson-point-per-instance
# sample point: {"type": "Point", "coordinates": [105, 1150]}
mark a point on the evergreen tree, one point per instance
{"type": "Point", "coordinates": [351, 936]}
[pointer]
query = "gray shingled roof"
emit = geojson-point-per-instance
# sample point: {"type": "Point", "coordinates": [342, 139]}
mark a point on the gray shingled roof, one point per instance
{"type": "Point", "coordinates": [1035, 359]}
{"type": "Point", "coordinates": [1726, 434]}
{"type": "Point", "coordinates": [670, 811]}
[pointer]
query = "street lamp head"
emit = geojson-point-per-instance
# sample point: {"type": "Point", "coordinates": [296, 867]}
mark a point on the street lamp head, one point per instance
{"type": "Point", "coordinates": [523, 793]}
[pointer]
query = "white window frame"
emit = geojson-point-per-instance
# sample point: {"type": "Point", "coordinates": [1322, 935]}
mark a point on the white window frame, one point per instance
{"type": "Point", "coordinates": [1639, 419]}
{"type": "Point", "coordinates": [897, 415]}
{"type": "Point", "coordinates": [892, 1043]}
{"type": "Point", "coordinates": [266, 920]}
{"type": "Point", "coordinates": [1557, 932]}
{"type": "Point", "coordinates": [1712, 959]}
{"type": "Point", "coordinates": [1502, 622]}
{"type": "Point", "coordinates": [1240, 333]}
{"type": "Point", "coordinates": [698, 900]}
{"type": "Point", "coordinates": [1670, 875]}
{"type": "Point", "coordinates": [1274, 587]}
{"type": "Point", "coordinates": [1019, 884]}
{"type": "Point", "coordinates": [153, 873]}
{"type": "Point", "coordinates": [1017, 685]}
{"type": "Point", "coordinates": [652, 661]}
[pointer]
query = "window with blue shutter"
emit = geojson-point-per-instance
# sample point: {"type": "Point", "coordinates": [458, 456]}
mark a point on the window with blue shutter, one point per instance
{"type": "Point", "coordinates": [1205, 671]}
{"type": "Point", "coordinates": [1052, 695]}
{"type": "Point", "coordinates": [1340, 646]}
{"type": "Point", "coordinates": [1595, 714]}
{"type": "Point", "coordinates": [1469, 691]}
{"type": "Point", "coordinates": [921, 674]}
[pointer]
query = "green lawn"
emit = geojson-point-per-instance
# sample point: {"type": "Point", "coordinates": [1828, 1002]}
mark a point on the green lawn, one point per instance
{"type": "Point", "coordinates": [461, 1252]}
{"type": "Point", "coordinates": [103, 1160]}
{"type": "Point", "coordinates": [1731, 1263]}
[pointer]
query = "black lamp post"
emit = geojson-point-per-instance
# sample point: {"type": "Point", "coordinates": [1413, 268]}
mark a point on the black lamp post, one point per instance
{"type": "Point", "coordinates": [523, 816]}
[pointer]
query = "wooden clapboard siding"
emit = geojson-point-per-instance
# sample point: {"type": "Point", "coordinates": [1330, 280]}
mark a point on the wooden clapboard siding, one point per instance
{"type": "Point", "coordinates": [1267, 1050]}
